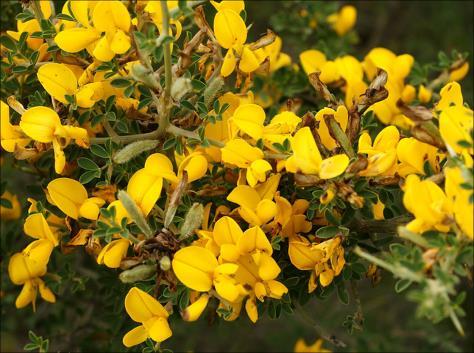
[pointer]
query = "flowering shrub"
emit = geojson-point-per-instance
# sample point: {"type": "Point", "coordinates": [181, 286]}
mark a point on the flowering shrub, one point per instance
{"type": "Point", "coordinates": [213, 175]}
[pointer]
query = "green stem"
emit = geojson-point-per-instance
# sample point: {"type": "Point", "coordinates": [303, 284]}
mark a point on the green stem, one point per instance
{"type": "Point", "coordinates": [413, 237]}
{"type": "Point", "coordinates": [164, 115]}
{"type": "Point", "coordinates": [398, 271]}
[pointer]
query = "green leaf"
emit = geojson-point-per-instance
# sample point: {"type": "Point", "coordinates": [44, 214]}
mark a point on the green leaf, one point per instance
{"type": "Point", "coordinates": [8, 43]}
{"type": "Point", "coordinates": [120, 83]}
{"type": "Point", "coordinates": [88, 176]}
{"type": "Point", "coordinates": [99, 151]}
{"type": "Point", "coordinates": [87, 164]}
{"type": "Point", "coordinates": [328, 232]}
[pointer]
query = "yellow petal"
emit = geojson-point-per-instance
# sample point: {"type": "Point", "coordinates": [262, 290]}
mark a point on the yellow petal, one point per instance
{"type": "Point", "coordinates": [312, 60]}
{"type": "Point", "coordinates": [145, 189]}
{"type": "Point", "coordinates": [45, 292]}
{"type": "Point", "coordinates": [229, 28]}
{"type": "Point", "coordinates": [240, 153]}
{"type": "Point", "coordinates": [102, 51]}
{"type": "Point", "coordinates": [249, 61]}
{"type": "Point", "coordinates": [27, 295]}
{"type": "Point", "coordinates": [451, 94]}
{"type": "Point", "coordinates": [141, 306]}
{"type": "Point", "coordinates": [266, 210]}
{"type": "Point", "coordinates": [160, 165]}
{"type": "Point", "coordinates": [249, 119]}
{"type": "Point", "coordinates": [39, 123]}
{"type": "Point", "coordinates": [245, 196]}
{"type": "Point", "coordinates": [76, 39]}
{"type": "Point", "coordinates": [36, 226]}
{"type": "Point", "coordinates": [120, 42]}
{"type": "Point", "coordinates": [254, 238]}
{"type": "Point", "coordinates": [276, 289]}
{"type": "Point", "coordinates": [306, 156]}
{"type": "Point", "coordinates": [68, 195]}
{"type": "Point", "coordinates": [90, 208]}
{"type": "Point", "coordinates": [226, 231]}
{"type": "Point", "coordinates": [194, 266]}
{"type": "Point", "coordinates": [268, 268]}
{"type": "Point", "coordinates": [195, 166]}
{"type": "Point", "coordinates": [135, 336]}
{"type": "Point", "coordinates": [251, 309]}
{"type": "Point", "coordinates": [160, 330]}
{"type": "Point", "coordinates": [112, 254]}
{"type": "Point", "coordinates": [333, 166]}
{"type": "Point", "coordinates": [109, 16]}
{"type": "Point", "coordinates": [58, 80]}
{"type": "Point", "coordinates": [194, 311]}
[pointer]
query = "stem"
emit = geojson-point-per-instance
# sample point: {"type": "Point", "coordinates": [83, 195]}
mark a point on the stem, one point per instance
{"type": "Point", "coordinates": [398, 271]}
{"type": "Point", "coordinates": [339, 135]}
{"type": "Point", "coordinates": [125, 139]}
{"type": "Point", "coordinates": [164, 115]}
{"type": "Point", "coordinates": [413, 237]}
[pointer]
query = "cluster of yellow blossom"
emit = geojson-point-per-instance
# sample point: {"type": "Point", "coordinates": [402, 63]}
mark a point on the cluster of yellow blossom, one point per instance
{"type": "Point", "coordinates": [232, 259]}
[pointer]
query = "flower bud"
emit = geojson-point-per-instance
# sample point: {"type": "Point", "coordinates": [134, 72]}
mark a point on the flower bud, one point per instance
{"type": "Point", "coordinates": [165, 263]}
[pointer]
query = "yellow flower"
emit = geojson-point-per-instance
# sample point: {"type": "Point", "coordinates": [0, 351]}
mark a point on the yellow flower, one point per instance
{"type": "Point", "coordinates": [292, 218]}
{"type": "Point", "coordinates": [428, 203]}
{"type": "Point", "coordinates": [254, 209]}
{"type": "Point", "coordinates": [344, 20]}
{"type": "Point", "coordinates": [148, 312]}
{"type": "Point", "coordinates": [239, 153]}
{"type": "Point", "coordinates": [325, 260]}
{"type": "Point", "coordinates": [307, 159]}
{"type": "Point", "coordinates": [397, 68]}
{"type": "Point", "coordinates": [244, 268]}
{"type": "Point", "coordinates": [231, 34]}
{"type": "Point", "coordinates": [70, 196]}
{"type": "Point", "coordinates": [249, 119]}
{"type": "Point", "coordinates": [13, 212]}
{"type": "Point", "coordinates": [412, 154]}
{"type": "Point", "coordinates": [316, 347]}
{"type": "Point", "coordinates": [106, 37]}
{"type": "Point", "coordinates": [382, 154]}
{"type": "Point", "coordinates": [59, 80]}
{"type": "Point", "coordinates": [455, 120]}
{"type": "Point", "coordinates": [42, 124]}
{"type": "Point", "coordinates": [145, 184]}
{"type": "Point", "coordinates": [11, 136]}
{"type": "Point", "coordinates": [26, 267]}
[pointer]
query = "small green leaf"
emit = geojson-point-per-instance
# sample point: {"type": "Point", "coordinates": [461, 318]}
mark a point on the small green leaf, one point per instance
{"type": "Point", "coordinates": [120, 83]}
{"type": "Point", "coordinates": [87, 164]}
{"type": "Point", "coordinates": [99, 151]}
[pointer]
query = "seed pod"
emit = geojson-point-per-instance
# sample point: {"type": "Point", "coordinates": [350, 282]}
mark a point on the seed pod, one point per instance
{"type": "Point", "coordinates": [134, 149]}
{"type": "Point", "coordinates": [137, 273]}
{"type": "Point", "coordinates": [192, 220]}
{"type": "Point", "coordinates": [212, 89]}
{"type": "Point", "coordinates": [135, 213]}
{"type": "Point", "coordinates": [165, 263]}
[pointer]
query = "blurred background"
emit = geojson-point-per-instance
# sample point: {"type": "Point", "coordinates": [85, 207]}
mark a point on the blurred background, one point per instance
{"type": "Point", "coordinates": [421, 28]}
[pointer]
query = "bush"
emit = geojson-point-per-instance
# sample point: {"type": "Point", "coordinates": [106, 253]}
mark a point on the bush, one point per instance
{"type": "Point", "coordinates": [177, 166]}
